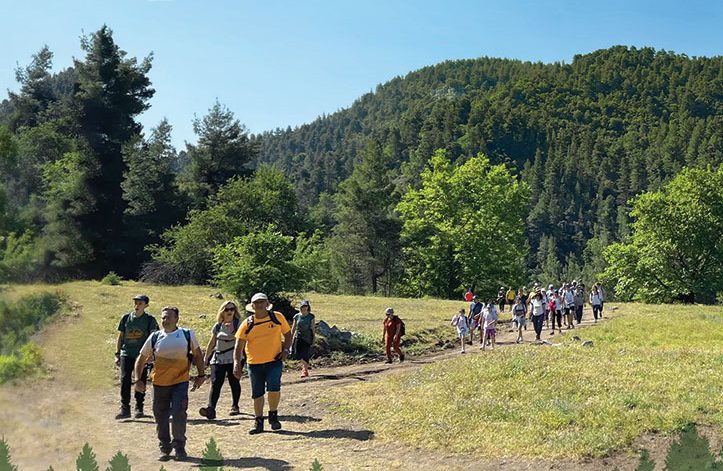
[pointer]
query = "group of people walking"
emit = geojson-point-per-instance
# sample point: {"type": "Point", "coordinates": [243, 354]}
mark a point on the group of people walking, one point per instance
{"type": "Point", "coordinates": [261, 341]}
{"type": "Point", "coordinates": [543, 307]}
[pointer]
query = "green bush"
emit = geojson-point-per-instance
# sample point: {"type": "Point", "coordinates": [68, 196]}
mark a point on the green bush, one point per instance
{"type": "Point", "coordinates": [20, 258]}
{"type": "Point", "coordinates": [111, 279]}
{"type": "Point", "coordinates": [20, 320]}
{"type": "Point", "coordinates": [27, 360]}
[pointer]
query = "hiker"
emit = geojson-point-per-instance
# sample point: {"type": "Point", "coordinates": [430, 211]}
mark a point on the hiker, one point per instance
{"type": "Point", "coordinates": [596, 301]}
{"type": "Point", "coordinates": [468, 295]}
{"type": "Point", "coordinates": [579, 303]}
{"type": "Point", "coordinates": [501, 299]}
{"type": "Point", "coordinates": [173, 349]}
{"type": "Point", "coordinates": [475, 309]}
{"type": "Point", "coordinates": [219, 355]}
{"type": "Point", "coordinates": [602, 298]}
{"type": "Point", "coordinates": [555, 312]}
{"type": "Point", "coordinates": [489, 329]}
{"type": "Point", "coordinates": [568, 305]}
{"type": "Point", "coordinates": [520, 320]}
{"type": "Point", "coordinates": [510, 295]}
{"type": "Point", "coordinates": [392, 335]}
{"type": "Point", "coordinates": [133, 330]}
{"type": "Point", "coordinates": [302, 333]}
{"type": "Point", "coordinates": [259, 336]}
{"type": "Point", "coordinates": [459, 320]}
{"type": "Point", "coordinates": [537, 313]}
{"type": "Point", "coordinates": [489, 306]}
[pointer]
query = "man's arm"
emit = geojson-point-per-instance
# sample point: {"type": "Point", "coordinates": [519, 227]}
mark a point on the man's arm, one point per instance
{"type": "Point", "coordinates": [286, 346]}
{"type": "Point", "coordinates": [138, 368]}
{"type": "Point", "coordinates": [200, 367]}
{"type": "Point", "coordinates": [237, 353]}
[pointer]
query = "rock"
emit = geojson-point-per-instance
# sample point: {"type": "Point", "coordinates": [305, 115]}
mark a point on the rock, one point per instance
{"type": "Point", "coordinates": [202, 316]}
{"type": "Point", "coordinates": [547, 342]}
{"type": "Point", "coordinates": [576, 338]}
{"type": "Point", "coordinates": [614, 308]}
{"type": "Point", "coordinates": [216, 295]}
{"type": "Point", "coordinates": [587, 343]}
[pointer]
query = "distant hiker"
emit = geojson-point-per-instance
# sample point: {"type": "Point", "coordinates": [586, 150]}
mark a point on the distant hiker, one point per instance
{"type": "Point", "coordinates": [520, 320]}
{"type": "Point", "coordinates": [549, 311]}
{"type": "Point", "coordinates": [302, 333]}
{"type": "Point", "coordinates": [459, 320]}
{"type": "Point", "coordinates": [510, 295]}
{"type": "Point", "coordinates": [596, 301]}
{"type": "Point", "coordinates": [568, 305]}
{"type": "Point", "coordinates": [537, 313]}
{"type": "Point", "coordinates": [579, 303]}
{"type": "Point", "coordinates": [555, 312]}
{"type": "Point", "coordinates": [468, 295]}
{"type": "Point", "coordinates": [602, 298]}
{"type": "Point", "coordinates": [392, 335]}
{"type": "Point", "coordinates": [133, 330]}
{"type": "Point", "coordinates": [173, 349]}
{"type": "Point", "coordinates": [489, 306]}
{"type": "Point", "coordinates": [501, 299]}
{"type": "Point", "coordinates": [523, 295]}
{"type": "Point", "coordinates": [219, 354]}
{"type": "Point", "coordinates": [260, 336]}
{"type": "Point", "coordinates": [490, 317]}
{"type": "Point", "coordinates": [475, 310]}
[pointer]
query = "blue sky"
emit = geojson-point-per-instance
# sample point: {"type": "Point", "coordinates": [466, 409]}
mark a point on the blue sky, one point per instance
{"type": "Point", "coordinates": [279, 63]}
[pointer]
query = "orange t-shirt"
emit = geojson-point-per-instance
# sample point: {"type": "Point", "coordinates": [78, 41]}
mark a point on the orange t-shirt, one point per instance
{"type": "Point", "coordinates": [264, 342]}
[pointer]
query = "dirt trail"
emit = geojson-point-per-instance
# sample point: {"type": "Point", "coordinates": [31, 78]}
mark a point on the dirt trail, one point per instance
{"type": "Point", "coordinates": [46, 422]}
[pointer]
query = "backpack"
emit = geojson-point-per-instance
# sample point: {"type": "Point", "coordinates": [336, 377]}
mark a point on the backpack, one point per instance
{"type": "Point", "coordinates": [402, 328]}
{"type": "Point", "coordinates": [217, 328]}
{"type": "Point", "coordinates": [186, 333]}
{"type": "Point", "coordinates": [250, 321]}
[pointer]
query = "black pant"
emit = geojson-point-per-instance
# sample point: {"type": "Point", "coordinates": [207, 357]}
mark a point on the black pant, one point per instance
{"type": "Point", "coordinates": [126, 372]}
{"type": "Point", "coordinates": [596, 308]}
{"type": "Point", "coordinates": [537, 321]}
{"type": "Point", "coordinates": [578, 314]}
{"type": "Point", "coordinates": [171, 401]}
{"type": "Point", "coordinates": [218, 374]}
{"type": "Point", "coordinates": [557, 315]}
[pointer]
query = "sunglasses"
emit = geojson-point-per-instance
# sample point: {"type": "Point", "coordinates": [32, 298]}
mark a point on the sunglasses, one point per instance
{"type": "Point", "coordinates": [231, 308]}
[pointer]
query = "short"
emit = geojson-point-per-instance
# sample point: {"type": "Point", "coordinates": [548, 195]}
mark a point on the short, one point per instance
{"type": "Point", "coordinates": [301, 349]}
{"type": "Point", "coordinates": [462, 333]}
{"type": "Point", "coordinates": [491, 332]}
{"type": "Point", "coordinates": [521, 321]}
{"type": "Point", "coordinates": [265, 377]}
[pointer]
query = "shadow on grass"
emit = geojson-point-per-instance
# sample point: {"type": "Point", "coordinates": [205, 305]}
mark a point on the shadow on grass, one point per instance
{"type": "Point", "coordinates": [222, 422]}
{"type": "Point", "coordinates": [361, 435]}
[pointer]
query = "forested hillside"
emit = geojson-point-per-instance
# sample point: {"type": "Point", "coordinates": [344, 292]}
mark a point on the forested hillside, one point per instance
{"type": "Point", "coordinates": [585, 136]}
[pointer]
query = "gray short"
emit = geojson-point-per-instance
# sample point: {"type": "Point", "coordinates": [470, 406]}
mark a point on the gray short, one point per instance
{"type": "Point", "coordinates": [521, 321]}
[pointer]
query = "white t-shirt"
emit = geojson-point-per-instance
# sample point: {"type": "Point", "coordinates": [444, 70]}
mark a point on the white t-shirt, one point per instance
{"type": "Point", "coordinates": [490, 315]}
{"type": "Point", "coordinates": [595, 299]}
{"type": "Point", "coordinates": [171, 356]}
{"type": "Point", "coordinates": [460, 321]}
{"type": "Point", "coordinates": [538, 307]}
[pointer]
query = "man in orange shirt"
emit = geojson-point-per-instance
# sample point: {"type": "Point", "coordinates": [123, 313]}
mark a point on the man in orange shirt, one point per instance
{"type": "Point", "coordinates": [260, 337]}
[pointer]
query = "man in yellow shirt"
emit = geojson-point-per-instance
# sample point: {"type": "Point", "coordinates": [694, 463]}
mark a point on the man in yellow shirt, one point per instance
{"type": "Point", "coordinates": [259, 336]}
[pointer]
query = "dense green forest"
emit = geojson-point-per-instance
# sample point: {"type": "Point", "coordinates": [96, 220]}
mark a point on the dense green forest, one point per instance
{"type": "Point", "coordinates": [481, 172]}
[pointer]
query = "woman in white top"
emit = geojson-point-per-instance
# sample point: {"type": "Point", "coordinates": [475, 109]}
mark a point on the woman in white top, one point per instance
{"type": "Point", "coordinates": [460, 322]}
{"type": "Point", "coordinates": [596, 302]}
{"type": "Point", "coordinates": [537, 312]}
{"type": "Point", "coordinates": [520, 320]}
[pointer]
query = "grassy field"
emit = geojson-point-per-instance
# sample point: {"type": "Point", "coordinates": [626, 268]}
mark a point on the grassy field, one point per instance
{"type": "Point", "coordinates": [98, 308]}
{"type": "Point", "coordinates": [650, 369]}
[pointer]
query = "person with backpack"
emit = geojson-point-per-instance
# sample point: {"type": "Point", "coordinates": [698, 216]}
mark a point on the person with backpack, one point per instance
{"type": "Point", "coordinates": [489, 328]}
{"type": "Point", "coordinates": [501, 299]}
{"type": "Point", "coordinates": [510, 295]}
{"type": "Point", "coordinates": [568, 305]}
{"type": "Point", "coordinates": [133, 330]}
{"type": "Point", "coordinates": [173, 348]}
{"type": "Point", "coordinates": [302, 333]}
{"type": "Point", "coordinates": [219, 355]}
{"type": "Point", "coordinates": [519, 316]}
{"type": "Point", "coordinates": [459, 320]}
{"type": "Point", "coordinates": [260, 337]}
{"type": "Point", "coordinates": [392, 335]}
{"type": "Point", "coordinates": [579, 303]}
{"type": "Point", "coordinates": [596, 301]}
{"type": "Point", "coordinates": [537, 313]}
{"type": "Point", "coordinates": [555, 312]}
{"type": "Point", "coordinates": [475, 311]}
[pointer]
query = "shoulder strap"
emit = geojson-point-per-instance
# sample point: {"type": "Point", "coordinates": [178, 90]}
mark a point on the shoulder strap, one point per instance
{"type": "Point", "coordinates": [272, 315]}
{"type": "Point", "coordinates": [154, 339]}
{"type": "Point", "coordinates": [124, 321]}
{"type": "Point", "coordinates": [249, 323]}
{"type": "Point", "coordinates": [236, 323]}
{"type": "Point", "coordinates": [187, 334]}
{"type": "Point", "coordinates": [217, 327]}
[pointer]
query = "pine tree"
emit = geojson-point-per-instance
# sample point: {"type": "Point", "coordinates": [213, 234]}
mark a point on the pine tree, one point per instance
{"type": "Point", "coordinates": [119, 462]}
{"type": "Point", "coordinates": [691, 452]}
{"type": "Point", "coordinates": [5, 463]}
{"type": "Point", "coordinates": [645, 464]}
{"type": "Point", "coordinates": [212, 459]}
{"type": "Point", "coordinates": [86, 460]}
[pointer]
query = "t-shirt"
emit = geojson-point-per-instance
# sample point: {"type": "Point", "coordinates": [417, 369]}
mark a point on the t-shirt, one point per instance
{"type": "Point", "coordinates": [391, 324]}
{"type": "Point", "coordinates": [538, 306]}
{"type": "Point", "coordinates": [569, 299]}
{"type": "Point", "coordinates": [225, 342]}
{"type": "Point", "coordinates": [595, 299]}
{"type": "Point", "coordinates": [171, 357]}
{"type": "Point", "coordinates": [519, 310]}
{"type": "Point", "coordinates": [511, 295]}
{"type": "Point", "coordinates": [460, 321]}
{"type": "Point", "coordinates": [490, 315]}
{"type": "Point", "coordinates": [264, 342]}
{"type": "Point", "coordinates": [136, 330]}
{"type": "Point", "coordinates": [305, 326]}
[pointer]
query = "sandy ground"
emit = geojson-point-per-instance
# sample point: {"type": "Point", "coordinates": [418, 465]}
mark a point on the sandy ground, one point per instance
{"type": "Point", "coordinates": [46, 422]}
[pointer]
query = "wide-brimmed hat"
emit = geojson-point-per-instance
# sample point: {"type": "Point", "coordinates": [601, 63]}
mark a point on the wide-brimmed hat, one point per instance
{"type": "Point", "coordinates": [258, 297]}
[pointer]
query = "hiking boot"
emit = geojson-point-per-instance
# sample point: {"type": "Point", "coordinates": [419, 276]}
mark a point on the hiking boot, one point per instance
{"type": "Point", "coordinates": [274, 420]}
{"type": "Point", "coordinates": [123, 413]}
{"type": "Point", "coordinates": [388, 361]}
{"type": "Point", "coordinates": [181, 453]}
{"type": "Point", "coordinates": [401, 358]}
{"type": "Point", "coordinates": [258, 427]}
{"type": "Point", "coordinates": [234, 411]}
{"type": "Point", "coordinates": [138, 414]}
{"type": "Point", "coordinates": [163, 455]}
{"type": "Point", "coordinates": [208, 412]}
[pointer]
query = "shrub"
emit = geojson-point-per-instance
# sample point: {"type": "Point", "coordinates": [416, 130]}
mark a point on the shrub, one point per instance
{"type": "Point", "coordinates": [19, 320]}
{"type": "Point", "coordinates": [20, 258]}
{"type": "Point", "coordinates": [111, 279]}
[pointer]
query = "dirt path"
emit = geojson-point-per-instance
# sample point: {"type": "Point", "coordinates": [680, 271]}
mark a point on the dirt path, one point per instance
{"type": "Point", "coordinates": [47, 421]}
